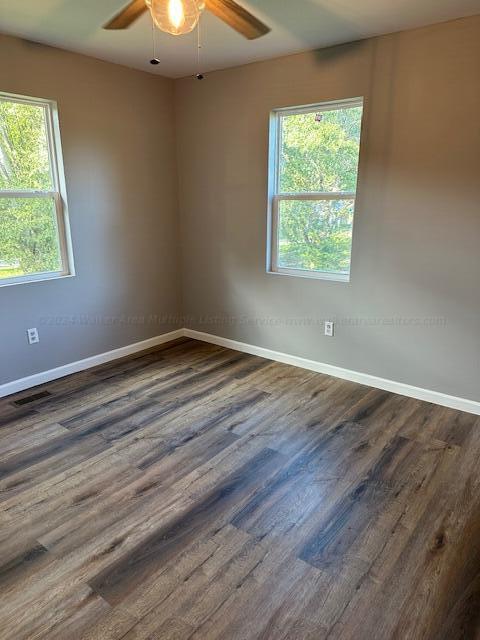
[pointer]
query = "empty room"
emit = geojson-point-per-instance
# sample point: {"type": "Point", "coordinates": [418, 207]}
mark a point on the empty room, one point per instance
{"type": "Point", "coordinates": [239, 320]}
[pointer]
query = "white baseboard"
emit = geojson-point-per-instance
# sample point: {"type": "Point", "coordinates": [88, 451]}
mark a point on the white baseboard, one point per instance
{"type": "Point", "coordinates": [453, 402]}
{"type": "Point", "coordinates": [87, 363]}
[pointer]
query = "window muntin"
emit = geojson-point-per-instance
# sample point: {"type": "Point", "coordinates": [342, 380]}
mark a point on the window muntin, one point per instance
{"type": "Point", "coordinates": [314, 157]}
{"type": "Point", "coordinates": [34, 239]}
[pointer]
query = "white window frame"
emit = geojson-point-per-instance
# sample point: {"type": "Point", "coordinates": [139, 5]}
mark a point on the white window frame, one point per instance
{"type": "Point", "coordinates": [275, 196]}
{"type": "Point", "coordinates": [58, 193]}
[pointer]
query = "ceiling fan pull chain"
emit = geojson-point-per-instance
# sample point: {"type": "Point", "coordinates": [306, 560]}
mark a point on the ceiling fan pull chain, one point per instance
{"type": "Point", "coordinates": [200, 75]}
{"type": "Point", "coordinates": [154, 59]}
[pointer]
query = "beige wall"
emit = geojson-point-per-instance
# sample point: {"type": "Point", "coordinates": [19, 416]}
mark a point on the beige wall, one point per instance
{"type": "Point", "coordinates": [118, 143]}
{"type": "Point", "coordinates": [417, 229]}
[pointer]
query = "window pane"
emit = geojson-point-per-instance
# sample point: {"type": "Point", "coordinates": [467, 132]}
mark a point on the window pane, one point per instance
{"type": "Point", "coordinates": [28, 237]}
{"type": "Point", "coordinates": [319, 150]}
{"type": "Point", "coordinates": [24, 157]}
{"type": "Point", "coordinates": [315, 235]}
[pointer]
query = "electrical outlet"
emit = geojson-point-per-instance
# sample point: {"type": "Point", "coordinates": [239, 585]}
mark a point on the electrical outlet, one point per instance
{"type": "Point", "coordinates": [32, 335]}
{"type": "Point", "coordinates": [329, 328]}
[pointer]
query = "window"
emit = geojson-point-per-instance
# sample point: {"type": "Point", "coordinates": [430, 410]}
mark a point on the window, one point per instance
{"type": "Point", "coordinates": [314, 155]}
{"type": "Point", "coordinates": [34, 234]}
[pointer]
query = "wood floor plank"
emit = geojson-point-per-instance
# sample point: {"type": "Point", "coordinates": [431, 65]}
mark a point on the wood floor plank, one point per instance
{"type": "Point", "coordinates": [151, 629]}
{"type": "Point", "coordinates": [116, 580]}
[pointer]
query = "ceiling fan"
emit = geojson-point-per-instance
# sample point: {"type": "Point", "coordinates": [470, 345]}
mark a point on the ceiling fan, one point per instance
{"type": "Point", "coordinates": [181, 16]}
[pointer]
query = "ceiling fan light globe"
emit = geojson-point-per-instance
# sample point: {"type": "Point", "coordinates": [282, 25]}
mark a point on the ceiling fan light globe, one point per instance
{"type": "Point", "coordinates": [176, 17]}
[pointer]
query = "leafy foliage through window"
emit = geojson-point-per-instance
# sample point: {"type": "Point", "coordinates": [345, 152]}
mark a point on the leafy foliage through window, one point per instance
{"type": "Point", "coordinates": [315, 155]}
{"type": "Point", "coordinates": [32, 226]}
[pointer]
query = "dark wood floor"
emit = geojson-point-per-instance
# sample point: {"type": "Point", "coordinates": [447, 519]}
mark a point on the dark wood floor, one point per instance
{"type": "Point", "coordinates": [196, 492]}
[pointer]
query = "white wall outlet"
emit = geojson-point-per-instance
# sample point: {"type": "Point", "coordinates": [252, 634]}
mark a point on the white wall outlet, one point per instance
{"type": "Point", "coordinates": [329, 328]}
{"type": "Point", "coordinates": [32, 335]}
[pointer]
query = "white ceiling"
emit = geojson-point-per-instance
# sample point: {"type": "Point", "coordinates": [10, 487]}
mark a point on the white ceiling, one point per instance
{"type": "Point", "coordinates": [297, 25]}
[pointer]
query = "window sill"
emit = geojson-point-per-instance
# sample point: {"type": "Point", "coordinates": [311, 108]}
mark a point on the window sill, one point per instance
{"type": "Point", "coordinates": [41, 277]}
{"type": "Point", "coordinates": [312, 275]}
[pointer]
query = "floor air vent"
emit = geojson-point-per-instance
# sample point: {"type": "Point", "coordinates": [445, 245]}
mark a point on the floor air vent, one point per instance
{"type": "Point", "coordinates": [32, 398]}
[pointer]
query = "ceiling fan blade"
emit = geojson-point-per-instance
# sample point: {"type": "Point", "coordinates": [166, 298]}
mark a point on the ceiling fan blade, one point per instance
{"type": "Point", "coordinates": [238, 18]}
{"type": "Point", "coordinates": [127, 16]}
